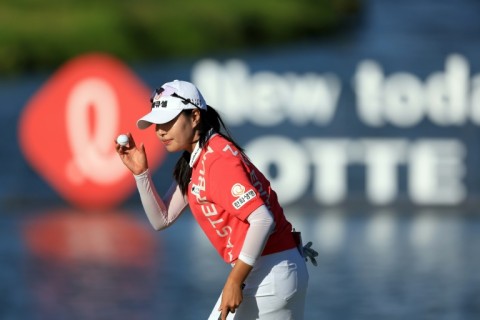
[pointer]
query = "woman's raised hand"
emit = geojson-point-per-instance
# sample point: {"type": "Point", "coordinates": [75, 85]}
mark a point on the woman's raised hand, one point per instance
{"type": "Point", "coordinates": [134, 158]}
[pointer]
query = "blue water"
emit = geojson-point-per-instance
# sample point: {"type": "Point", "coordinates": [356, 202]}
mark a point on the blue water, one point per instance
{"type": "Point", "coordinates": [67, 264]}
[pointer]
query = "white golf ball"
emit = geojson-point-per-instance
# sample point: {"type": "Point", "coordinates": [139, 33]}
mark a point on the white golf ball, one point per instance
{"type": "Point", "coordinates": [122, 139]}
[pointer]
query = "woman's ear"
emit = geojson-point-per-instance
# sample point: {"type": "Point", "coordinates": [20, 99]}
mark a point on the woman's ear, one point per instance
{"type": "Point", "coordinates": [196, 117]}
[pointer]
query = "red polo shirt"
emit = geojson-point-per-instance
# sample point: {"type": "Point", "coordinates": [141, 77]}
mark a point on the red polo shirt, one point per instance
{"type": "Point", "coordinates": [224, 189]}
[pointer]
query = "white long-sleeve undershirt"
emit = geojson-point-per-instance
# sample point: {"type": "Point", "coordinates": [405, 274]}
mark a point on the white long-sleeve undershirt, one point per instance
{"type": "Point", "coordinates": [261, 225]}
{"type": "Point", "coordinates": [161, 213]}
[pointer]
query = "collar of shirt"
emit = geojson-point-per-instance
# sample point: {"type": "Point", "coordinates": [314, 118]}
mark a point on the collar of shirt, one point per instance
{"type": "Point", "coordinates": [197, 150]}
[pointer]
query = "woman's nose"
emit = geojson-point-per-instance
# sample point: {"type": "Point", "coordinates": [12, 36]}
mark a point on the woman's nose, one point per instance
{"type": "Point", "coordinates": [160, 130]}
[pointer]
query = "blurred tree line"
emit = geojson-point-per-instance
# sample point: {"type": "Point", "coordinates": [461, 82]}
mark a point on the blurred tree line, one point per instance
{"type": "Point", "coordinates": [39, 35]}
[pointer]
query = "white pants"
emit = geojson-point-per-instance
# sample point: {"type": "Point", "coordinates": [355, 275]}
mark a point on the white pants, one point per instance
{"type": "Point", "coordinates": [275, 289]}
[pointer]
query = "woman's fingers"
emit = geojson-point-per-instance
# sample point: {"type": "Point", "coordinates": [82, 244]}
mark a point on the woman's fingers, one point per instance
{"type": "Point", "coordinates": [225, 309]}
{"type": "Point", "coordinates": [131, 141]}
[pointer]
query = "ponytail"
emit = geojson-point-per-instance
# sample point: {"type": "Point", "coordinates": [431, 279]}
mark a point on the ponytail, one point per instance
{"type": "Point", "coordinates": [209, 120]}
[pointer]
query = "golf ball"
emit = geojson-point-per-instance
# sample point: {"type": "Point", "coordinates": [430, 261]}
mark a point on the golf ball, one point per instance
{"type": "Point", "coordinates": [122, 139]}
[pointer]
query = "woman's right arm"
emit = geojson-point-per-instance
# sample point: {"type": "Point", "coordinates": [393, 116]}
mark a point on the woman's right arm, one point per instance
{"type": "Point", "coordinates": [160, 212]}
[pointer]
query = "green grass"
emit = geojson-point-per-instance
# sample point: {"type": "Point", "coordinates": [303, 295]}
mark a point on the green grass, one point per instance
{"type": "Point", "coordinates": [38, 35]}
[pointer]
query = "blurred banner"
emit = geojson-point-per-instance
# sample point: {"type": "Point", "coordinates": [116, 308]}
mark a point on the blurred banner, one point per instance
{"type": "Point", "coordinates": [387, 114]}
{"type": "Point", "coordinates": [385, 136]}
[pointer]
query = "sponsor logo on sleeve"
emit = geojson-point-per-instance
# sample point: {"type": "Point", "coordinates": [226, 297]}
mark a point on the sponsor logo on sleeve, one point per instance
{"type": "Point", "coordinates": [242, 196]}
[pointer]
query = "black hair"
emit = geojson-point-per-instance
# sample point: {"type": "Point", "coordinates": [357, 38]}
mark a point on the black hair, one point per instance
{"type": "Point", "coordinates": [209, 120]}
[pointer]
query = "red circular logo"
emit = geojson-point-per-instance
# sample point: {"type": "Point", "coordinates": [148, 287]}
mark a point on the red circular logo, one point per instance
{"type": "Point", "coordinates": [68, 128]}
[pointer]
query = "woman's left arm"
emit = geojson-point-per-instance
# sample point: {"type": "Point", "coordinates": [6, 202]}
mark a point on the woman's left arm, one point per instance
{"type": "Point", "coordinates": [261, 225]}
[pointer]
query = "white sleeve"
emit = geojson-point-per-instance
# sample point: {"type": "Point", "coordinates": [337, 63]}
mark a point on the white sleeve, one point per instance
{"type": "Point", "coordinates": [160, 212]}
{"type": "Point", "coordinates": [261, 224]}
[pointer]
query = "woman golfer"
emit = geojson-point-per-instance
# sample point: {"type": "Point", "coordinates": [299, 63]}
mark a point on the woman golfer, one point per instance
{"type": "Point", "coordinates": [231, 200]}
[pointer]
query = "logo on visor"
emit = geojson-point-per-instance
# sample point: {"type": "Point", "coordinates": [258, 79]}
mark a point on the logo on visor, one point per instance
{"type": "Point", "coordinates": [67, 129]}
{"type": "Point", "coordinates": [162, 104]}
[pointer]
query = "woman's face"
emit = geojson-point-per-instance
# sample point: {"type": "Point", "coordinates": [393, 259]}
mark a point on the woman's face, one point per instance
{"type": "Point", "coordinates": [179, 134]}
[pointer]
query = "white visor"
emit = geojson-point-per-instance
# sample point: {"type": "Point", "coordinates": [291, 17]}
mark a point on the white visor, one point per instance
{"type": "Point", "coordinates": [163, 111]}
{"type": "Point", "coordinates": [170, 100]}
